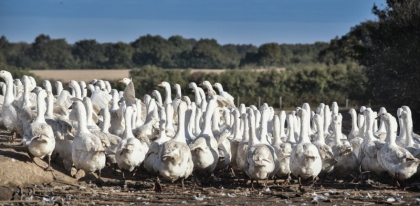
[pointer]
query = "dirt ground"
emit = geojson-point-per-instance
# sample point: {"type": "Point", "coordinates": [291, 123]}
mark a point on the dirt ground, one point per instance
{"type": "Point", "coordinates": [25, 182]}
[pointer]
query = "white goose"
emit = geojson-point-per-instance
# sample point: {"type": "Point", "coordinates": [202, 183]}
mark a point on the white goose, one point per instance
{"type": "Point", "coordinates": [204, 149]}
{"type": "Point", "coordinates": [343, 151]}
{"type": "Point", "coordinates": [175, 160]}
{"type": "Point", "coordinates": [129, 92]}
{"type": "Point", "coordinates": [243, 144]}
{"type": "Point", "coordinates": [224, 93]}
{"type": "Point", "coordinates": [305, 161]}
{"type": "Point", "coordinates": [117, 115]}
{"type": "Point", "coordinates": [356, 136]}
{"type": "Point", "coordinates": [39, 137]}
{"type": "Point", "coordinates": [62, 128]}
{"type": "Point", "coordinates": [27, 112]}
{"type": "Point", "coordinates": [381, 132]}
{"type": "Point", "coordinates": [261, 161]}
{"type": "Point", "coordinates": [325, 151]}
{"type": "Point", "coordinates": [9, 110]}
{"type": "Point", "coordinates": [410, 145]}
{"type": "Point", "coordinates": [237, 138]}
{"type": "Point", "coordinates": [88, 151]}
{"type": "Point", "coordinates": [399, 162]}
{"type": "Point", "coordinates": [283, 149]}
{"type": "Point", "coordinates": [168, 97]}
{"type": "Point", "coordinates": [130, 151]}
{"type": "Point", "coordinates": [153, 152]}
{"type": "Point", "coordinates": [370, 147]}
{"type": "Point", "coordinates": [114, 140]}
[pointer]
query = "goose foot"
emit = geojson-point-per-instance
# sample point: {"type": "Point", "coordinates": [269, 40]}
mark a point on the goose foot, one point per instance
{"type": "Point", "coordinates": [157, 187]}
{"type": "Point", "coordinates": [286, 181]}
{"type": "Point", "coordinates": [232, 172]}
{"type": "Point", "coordinates": [13, 137]}
{"type": "Point", "coordinates": [115, 169]}
{"type": "Point", "coordinates": [252, 185]}
{"type": "Point", "coordinates": [314, 180]}
{"type": "Point", "coordinates": [99, 180]}
{"type": "Point", "coordinates": [182, 183]}
{"type": "Point", "coordinates": [265, 184]}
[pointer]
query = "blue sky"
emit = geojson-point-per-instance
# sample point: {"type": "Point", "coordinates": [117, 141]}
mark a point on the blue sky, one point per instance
{"type": "Point", "coordinates": [228, 21]}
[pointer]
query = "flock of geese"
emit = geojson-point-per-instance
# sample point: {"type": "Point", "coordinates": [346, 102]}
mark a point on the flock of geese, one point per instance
{"type": "Point", "coordinates": [177, 138]}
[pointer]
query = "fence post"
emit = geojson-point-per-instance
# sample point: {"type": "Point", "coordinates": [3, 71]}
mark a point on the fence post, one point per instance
{"type": "Point", "coordinates": [347, 103]}
{"type": "Point", "coordinates": [369, 102]}
{"type": "Point", "coordinates": [259, 102]}
{"type": "Point", "coordinates": [281, 103]}
{"type": "Point", "coordinates": [237, 99]}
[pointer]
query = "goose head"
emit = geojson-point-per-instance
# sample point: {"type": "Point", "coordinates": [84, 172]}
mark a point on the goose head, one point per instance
{"type": "Point", "coordinates": [5, 75]}
{"type": "Point", "coordinates": [46, 84]}
{"type": "Point", "coordinates": [207, 85]}
{"type": "Point", "coordinates": [164, 85]}
{"type": "Point", "coordinates": [58, 87]}
{"type": "Point", "coordinates": [192, 85]}
{"type": "Point", "coordinates": [177, 88]}
{"type": "Point", "coordinates": [126, 81]}
{"type": "Point", "coordinates": [218, 86]}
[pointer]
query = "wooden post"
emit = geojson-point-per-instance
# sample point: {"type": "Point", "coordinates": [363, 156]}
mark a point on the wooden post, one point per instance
{"type": "Point", "coordinates": [237, 104]}
{"type": "Point", "coordinates": [347, 103]}
{"type": "Point", "coordinates": [281, 103]}
{"type": "Point", "coordinates": [259, 102]}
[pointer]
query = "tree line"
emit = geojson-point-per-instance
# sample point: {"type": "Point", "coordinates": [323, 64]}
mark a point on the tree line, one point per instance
{"type": "Point", "coordinates": [389, 51]}
{"type": "Point", "coordinates": [174, 52]}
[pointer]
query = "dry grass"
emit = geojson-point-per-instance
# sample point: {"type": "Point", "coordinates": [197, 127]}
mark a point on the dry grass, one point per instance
{"type": "Point", "coordinates": [82, 75]}
{"type": "Point", "coordinates": [106, 74]}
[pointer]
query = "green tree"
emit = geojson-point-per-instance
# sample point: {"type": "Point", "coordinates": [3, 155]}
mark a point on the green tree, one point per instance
{"type": "Point", "coordinates": [51, 53]}
{"type": "Point", "coordinates": [88, 54]}
{"type": "Point", "coordinates": [119, 55]}
{"type": "Point", "coordinates": [269, 54]}
{"type": "Point", "coordinates": [208, 54]}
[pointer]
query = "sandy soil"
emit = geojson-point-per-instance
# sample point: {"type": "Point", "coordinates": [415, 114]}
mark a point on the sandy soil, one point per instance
{"type": "Point", "coordinates": [24, 181]}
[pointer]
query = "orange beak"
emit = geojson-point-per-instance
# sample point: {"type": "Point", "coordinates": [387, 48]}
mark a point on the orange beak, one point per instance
{"type": "Point", "coordinates": [122, 81]}
{"type": "Point", "coordinates": [192, 90]}
{"type": "Point", "coordinates": [378, 117]}
{"type": "Point", "coordinates": [160, 85]}
{"type": "Point", "coordinates": [201, 84]}
{"type": "Point", "coordinates": [213, 85]}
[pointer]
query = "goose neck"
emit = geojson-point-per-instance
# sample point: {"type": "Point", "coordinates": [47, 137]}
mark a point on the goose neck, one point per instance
{"type": "Point", "coordinates": [106, 121]}
{"type": "Point", "coordinates": [8, 98]}
{"type": "Point", "coordinates": [168, 98]}
{"type": "Point", "coordinates": [320, 134]}
{"type": "Point", "coordinates": [291, 133]}
{"type": "Point", "coordinates": [82, 121]}
{"type": "Point", "coordinates": [128, 133]}
{"type": "Point", "coordinates": [253, 140]}
{"type": "Point", "coordinates": [304, 129]}
{"type": "Point", "coordinates": [237, 127]}
{"type": "Point", "coordinates": [50, 104]}
{"type": "Point", "coordinates": [276, 132]}
{"type": "Point", "coordinates": [408, 127]}
{"type": "Point", "coordinates": [41, 109]}
{"type": "Point", "coordinates": [354, 126]}
{"type": "Point", "coordinates": [207, 118]}
{"type": "Point", "coordinates": [263, 129]}
{"type": "Point", "coordinates": [180, 135]}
